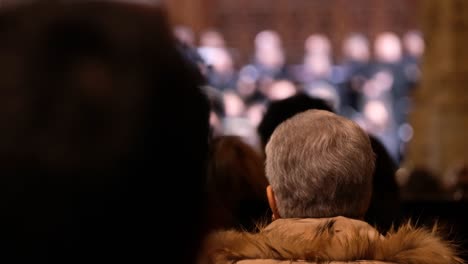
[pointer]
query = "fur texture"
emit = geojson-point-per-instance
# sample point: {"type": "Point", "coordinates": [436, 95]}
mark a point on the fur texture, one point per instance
{"type": "Point", "coordinates": [335, 239]}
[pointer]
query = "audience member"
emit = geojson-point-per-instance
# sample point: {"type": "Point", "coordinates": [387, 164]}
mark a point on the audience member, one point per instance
{"type": "Point", "coordinates": [212, 38]}
{"type": "Point", "coordinates": [318, 44]}
{"type": "Point", "coordinates": [319, 166]}
{"type": "Point", "coordinates": [96, 162]}
{"type": "Point", "coordinates": [356, 71]}
{"type": "Point", "coordinates": [381, 93]}
{"type": "Point", "coordinates": [281, 110]}
{"type": "Point", "coordinates": [384, 208]}
{"type": "Point", "coordinates": [267, 66]}
{"type": "Point", "coordinates": [413, 44]}
{"type": "Point", "coordinates": [235, 186]}
{"type": "Point", "coordinates": [185, 35]}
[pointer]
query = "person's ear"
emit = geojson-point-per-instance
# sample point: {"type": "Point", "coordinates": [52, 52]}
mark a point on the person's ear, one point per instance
{"type": "Point", "coordinates": [272, 202]}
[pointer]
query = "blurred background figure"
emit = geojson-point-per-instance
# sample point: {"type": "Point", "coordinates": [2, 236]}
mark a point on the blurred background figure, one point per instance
{"type": "Point", "coordinates": [414, 46]}
{"type": "Point", "coordinates": [317, 60]}
{"type": "Point", "coordinates": [235, 186]}
{"type": "Point", "coordinates": [280, 89]}
{"type": "Point", "coordinates": [325, 91]}
{"type": "Point", "coordinates": [277, 90]}
{"type": "Point", "coordinates": [212, 38]}
{"type": "Point", "coordinates": [318, 44]}
{"type": "Point", "coordinates": [316, 75]}
{"type": "Point", "coordinates": [381, 94]}
{"type": "Point", "coordinates": [233, 105]}
{"type": "Point", "coordinates": [316, 67]}
{"type": "Point", "coordinates": [240, 120]}
{"type": "Point", "coordinates": [220, 73]}
{"type": "Point", "coordinates": [456, 181]}
{"type": "Point", "coordinates": [268, 66]}
{"type": "Point", "coordinates": [354, 72]}
{"type": "Point", "coordinates": [185, 35]}
{"type": "Point", "coordinates": [269, 55]}
{"type": "Point", "coordinates": [387, 47]}
{"type": "Point", "coordinates": [281, 110]}
{"type": "Point", "coordinates": [356, 49]}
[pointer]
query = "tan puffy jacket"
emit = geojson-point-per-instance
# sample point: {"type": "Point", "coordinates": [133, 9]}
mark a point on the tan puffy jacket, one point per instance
{"type": "Point", "coordinates": [327, 240]}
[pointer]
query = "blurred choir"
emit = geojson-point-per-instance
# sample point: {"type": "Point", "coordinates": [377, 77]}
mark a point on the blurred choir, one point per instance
{"type": "Point", "coordinates": [372, 88]}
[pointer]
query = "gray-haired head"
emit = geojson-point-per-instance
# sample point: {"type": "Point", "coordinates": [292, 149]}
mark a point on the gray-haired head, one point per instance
{"type": "Point", "coordinates": [320, 165]}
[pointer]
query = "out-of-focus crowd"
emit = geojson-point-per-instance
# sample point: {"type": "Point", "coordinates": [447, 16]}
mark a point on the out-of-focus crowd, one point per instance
{"type": "Point", "coordinates": [371, 84]}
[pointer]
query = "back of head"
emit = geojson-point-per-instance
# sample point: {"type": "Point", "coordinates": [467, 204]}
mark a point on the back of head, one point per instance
{"type": "Point", "coordinates": [320, 165]}
{"type": "Point", "coordinates": [236, 185]}
{"type": "Point", "coordinates": [89, 132]}
{"type": "Point", "coordinates": [279, 111]}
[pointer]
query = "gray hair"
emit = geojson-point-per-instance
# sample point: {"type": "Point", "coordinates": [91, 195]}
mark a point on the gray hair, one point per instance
{"type": "Point", "coordinates": [320, 165]}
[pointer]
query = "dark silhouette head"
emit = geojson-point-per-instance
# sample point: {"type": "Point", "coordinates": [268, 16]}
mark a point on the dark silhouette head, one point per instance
{"type": "Point", "coordinates": [90, 140]}
{"type": "Point", "coordinates": [281, 110]}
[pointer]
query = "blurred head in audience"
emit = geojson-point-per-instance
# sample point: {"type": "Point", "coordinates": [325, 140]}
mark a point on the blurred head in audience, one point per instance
{"type": "Point", "coordinates": [268, 49]}
{"type": "Point", "coordinates": [319, 165]}
{"type": "Point", "coordinates": [219, 59]}
{"type": "Point", "coordinates": [318, 65]}
{"type": "Point", "coordinates": [185, 35]}
{"type": "Point", "coordinates": [233, 105]}
{"type": "Point", "coordinates": [220, 71]}
{"type": "Point", "coordinates": [318, 44]}
{"type": "Point", "coordinates": [377, 116]}
{"type": "Point", "coordinates": [223, 62]}
{"type": "Point", "coordinates": [212, 38]}
{"type": "Point", "coordinates": [387, 47]}
{"type": "Point", "coordinates": [356, 48]}
{"type": "Point", "coordinates": [235, 186]}
{"type": "Point", "coordinates": [413, 43]}
{"type": "Point", "coordinates": [281, 110]}
{"type": "Point", "coordinates": [248, 80]}
{"type": "Point", "coordinates": [325, 91]}
{"type": "Point", "coordinates": [267, 38]}
{"type": "Point", "coordinates": [280, 90]}
{"type": "Point", "coordinates": [86, 137]}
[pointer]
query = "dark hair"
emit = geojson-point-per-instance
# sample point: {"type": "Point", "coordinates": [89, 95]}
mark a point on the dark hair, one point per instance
{"type": "Point", "coordinates": [90, 141]}
{"type": "Point", "coordinates": [281, 110]}
{"type": "Point", "coordinates": [236, 186]}
{"type": "Point", "coordinates": [385, 207]}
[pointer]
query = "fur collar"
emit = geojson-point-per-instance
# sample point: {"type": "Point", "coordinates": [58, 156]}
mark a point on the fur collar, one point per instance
{"type": "Point", "coordinates": [329, 239]}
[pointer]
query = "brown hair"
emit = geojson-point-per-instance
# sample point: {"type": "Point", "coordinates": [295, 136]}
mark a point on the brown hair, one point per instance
{"type": "Point", "coordinates": [236, 184]}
